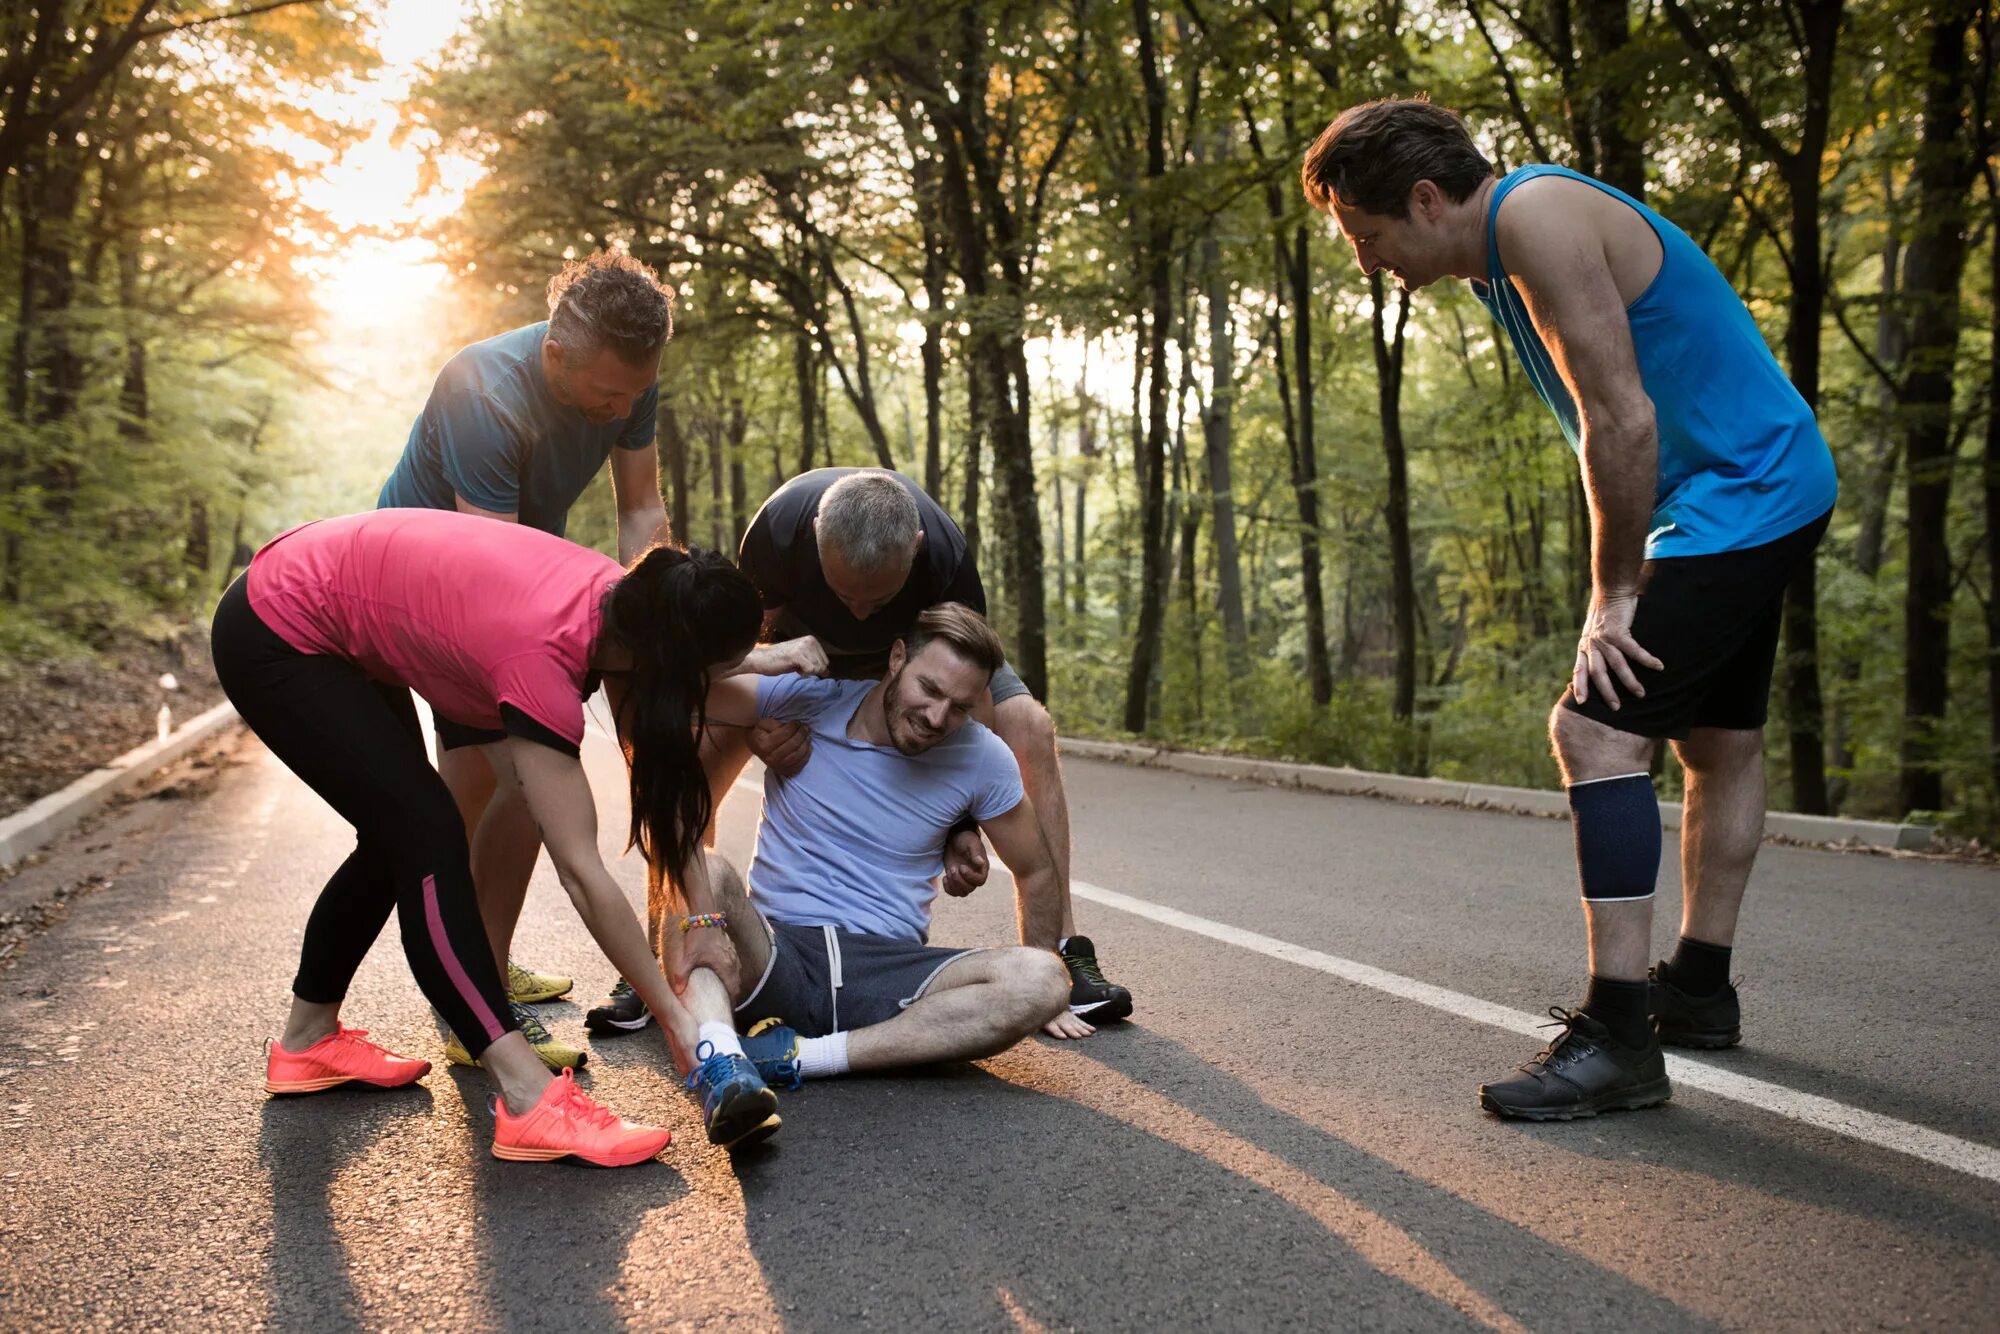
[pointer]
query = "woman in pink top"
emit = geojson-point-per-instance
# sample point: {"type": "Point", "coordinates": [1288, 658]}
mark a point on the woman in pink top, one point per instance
{"type": "Point", "coordinates": [504, 629]}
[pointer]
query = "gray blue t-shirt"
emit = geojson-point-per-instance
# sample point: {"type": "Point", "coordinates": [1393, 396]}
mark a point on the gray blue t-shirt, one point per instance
{"type": "Point", "coordinates": [493, 432]}
{"type": "Point", "coordinates": [856, 839]}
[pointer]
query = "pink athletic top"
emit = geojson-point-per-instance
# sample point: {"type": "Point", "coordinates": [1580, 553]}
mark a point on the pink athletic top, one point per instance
{"type": "Point", "coordinates": [470, 613]}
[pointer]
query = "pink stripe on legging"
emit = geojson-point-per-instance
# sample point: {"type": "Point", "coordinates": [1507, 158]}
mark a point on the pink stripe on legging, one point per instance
{"type": "Point", "coordinates": [453, 970]}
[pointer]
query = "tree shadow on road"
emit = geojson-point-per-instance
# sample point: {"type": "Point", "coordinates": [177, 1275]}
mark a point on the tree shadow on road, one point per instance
{"type": "Point", "coordinates": [1031, 1191]}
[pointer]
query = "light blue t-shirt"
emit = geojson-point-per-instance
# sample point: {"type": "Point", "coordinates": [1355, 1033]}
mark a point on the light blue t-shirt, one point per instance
{"type": "Point", "coordinates": [1742, 461]}
{"type": "Point", "coordinates": [856, 839]}
{"type": "Point", "coordinates": [493, 432]}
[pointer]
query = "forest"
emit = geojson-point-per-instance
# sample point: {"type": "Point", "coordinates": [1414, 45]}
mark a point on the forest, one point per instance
{"type": "Point", "coordinates": [1053, 261]}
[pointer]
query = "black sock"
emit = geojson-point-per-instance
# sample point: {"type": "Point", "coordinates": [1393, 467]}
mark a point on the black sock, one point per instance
{"type": "Point", "coordinates": [1621, 1007]}
{"type": "Point", "coordinates": [1698, 968]}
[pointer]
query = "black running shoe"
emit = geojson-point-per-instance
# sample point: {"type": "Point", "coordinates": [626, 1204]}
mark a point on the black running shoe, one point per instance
{"type": "Point", "coordinates": [1704, 1022]}
{"type": "Point", "coordinates": [1091, 998]}
{"type": "Point", "coordinates": [1583, 1072]}
{"type": "Point", "coordinates": [624, 1012]}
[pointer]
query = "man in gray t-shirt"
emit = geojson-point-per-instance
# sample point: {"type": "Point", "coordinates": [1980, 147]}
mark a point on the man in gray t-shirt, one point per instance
{"type": "Point", "coordinates": [833, 967]}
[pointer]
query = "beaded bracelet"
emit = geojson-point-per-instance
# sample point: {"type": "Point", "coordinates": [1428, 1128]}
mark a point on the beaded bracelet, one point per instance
{"type": "Point", "coordinates": [702, 919]}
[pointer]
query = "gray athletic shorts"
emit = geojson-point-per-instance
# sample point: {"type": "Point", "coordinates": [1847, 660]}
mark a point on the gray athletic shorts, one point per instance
{"type": "Point", "coordinates": [822, 979]}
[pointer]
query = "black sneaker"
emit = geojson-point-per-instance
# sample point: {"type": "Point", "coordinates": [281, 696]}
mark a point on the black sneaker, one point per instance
{"type": "Point", "coordinates": [1705, 1022]}
{"type": "Point", "coordinates": [1583, 1072]}
{"type": "Point", "coordinates": [1091, 998]}
{"type": "Point", "coordinates": [624, 1012]}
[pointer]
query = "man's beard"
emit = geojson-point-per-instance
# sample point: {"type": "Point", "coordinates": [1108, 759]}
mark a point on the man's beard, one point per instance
{"type": "Point", "coordinates": [913, 740]}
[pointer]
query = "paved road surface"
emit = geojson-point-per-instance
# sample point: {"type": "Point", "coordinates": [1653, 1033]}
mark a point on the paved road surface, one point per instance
{"type": "Point", "coordinates": [1267, 1145]}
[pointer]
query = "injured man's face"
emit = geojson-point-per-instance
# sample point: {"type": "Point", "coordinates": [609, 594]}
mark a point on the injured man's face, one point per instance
{"type": "Point", "coordinates": [929, 697]}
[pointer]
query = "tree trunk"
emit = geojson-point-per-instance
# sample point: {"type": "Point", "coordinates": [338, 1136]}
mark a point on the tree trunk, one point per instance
{"type": "Point", "coordinates": [673, 446]}
{"type": "Point", "coordinates": [1604, 29]}
{"type": "Point", "coordinates": [1218, 439]}
{"type": "Point", "coordinates": [1993, 492]}
{"type": "Point", "coordinates": [1402, 564]}
{"type": "Point", "coordinates": [1155, 261]}
{"type": "Point", "coordinates": [805, 370]}
{"type": "Point", "coordinates": [975, 436]}
{"type": "Point", "coordinates": [1935, 264]}
{"type": "Point", "coordinates": [1305, 471]}
{"type": "Point", "coordinates": [739, 499]}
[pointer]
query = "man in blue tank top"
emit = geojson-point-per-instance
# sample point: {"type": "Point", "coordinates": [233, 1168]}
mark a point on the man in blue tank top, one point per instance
{"type": "Point", "coordinates": [514, 429]}
{"type": "Point", "coordinates": [1709, 485]}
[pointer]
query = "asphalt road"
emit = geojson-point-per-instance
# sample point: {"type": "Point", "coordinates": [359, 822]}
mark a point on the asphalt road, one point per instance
{"type": "Point", "coordinates": [1264, 1146]}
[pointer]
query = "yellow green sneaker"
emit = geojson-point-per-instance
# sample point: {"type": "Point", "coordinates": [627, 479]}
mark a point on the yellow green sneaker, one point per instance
{"type": "Point", "coordinates": [525, 986]}
{"type": "Point", "coordinates": [555, 1055]}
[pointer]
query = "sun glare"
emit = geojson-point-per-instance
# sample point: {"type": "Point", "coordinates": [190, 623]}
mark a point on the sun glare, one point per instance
{"type": "Point", "coordinates": [380, 262]}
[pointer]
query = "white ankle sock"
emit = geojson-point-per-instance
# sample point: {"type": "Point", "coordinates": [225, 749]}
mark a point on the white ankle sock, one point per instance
{"type": "Point", "coordinates": [822, 1057]}
{"type": "Point", "coordinates": [722, 1038]}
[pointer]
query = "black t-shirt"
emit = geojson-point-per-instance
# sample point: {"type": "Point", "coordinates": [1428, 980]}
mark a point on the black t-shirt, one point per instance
{"type": "Point", "coordinates": [781, 556]}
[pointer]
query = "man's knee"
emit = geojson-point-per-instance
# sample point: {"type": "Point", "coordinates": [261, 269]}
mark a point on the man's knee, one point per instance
{"type": "Point", "coordinates": [1025, 726]}
{"type": "Point", "coordinates": [1586, 748]}
{"type": "Point", "coordinates": [1038, 980]}
{"type": "Point", "coordinates": [1720, 751]}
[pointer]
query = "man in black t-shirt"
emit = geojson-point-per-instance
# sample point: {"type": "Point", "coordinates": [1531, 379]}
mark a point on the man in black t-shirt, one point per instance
{"type": "Point", "coordinates": [846, 559]}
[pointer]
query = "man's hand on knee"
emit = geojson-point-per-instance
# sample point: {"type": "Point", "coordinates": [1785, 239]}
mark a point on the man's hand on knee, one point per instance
{"type": "Point", "coordinates": [965, 864]}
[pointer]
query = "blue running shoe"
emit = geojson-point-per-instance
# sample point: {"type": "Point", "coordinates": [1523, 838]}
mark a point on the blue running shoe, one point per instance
{"type": "Point", "coordinates": [736, 1105]}
{"type": "Point", "coordinates": [774, 1050]}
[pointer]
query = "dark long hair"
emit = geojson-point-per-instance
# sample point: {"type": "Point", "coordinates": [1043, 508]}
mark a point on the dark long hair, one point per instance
{"type": "Point", "coordinates": [678, 613]}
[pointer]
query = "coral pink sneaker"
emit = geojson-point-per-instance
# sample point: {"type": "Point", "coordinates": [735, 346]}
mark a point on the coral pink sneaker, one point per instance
{"type": "Point", "coordinates": [567, 1123]}
{"type": "Point", "coordinates": [341, 1057]}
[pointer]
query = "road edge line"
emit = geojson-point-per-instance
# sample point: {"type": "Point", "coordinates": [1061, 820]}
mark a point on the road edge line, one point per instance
{"type": "Point", "coordinates": [1871, 1128]}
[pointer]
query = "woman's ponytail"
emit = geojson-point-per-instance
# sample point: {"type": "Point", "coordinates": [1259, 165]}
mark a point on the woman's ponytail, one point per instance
{"type": "Point", "coordinates": [677, 613]}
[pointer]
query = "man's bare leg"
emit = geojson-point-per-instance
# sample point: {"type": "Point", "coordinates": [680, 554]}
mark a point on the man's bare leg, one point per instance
{"type": "Point", "coordinates": [1720, 832]}
{"type": "Point", "coordinates": [979, 1005]}
{"type": "Point", "coordinates": [1030, 733]}
{"type": "Point", "coordinates": [1721, 828]}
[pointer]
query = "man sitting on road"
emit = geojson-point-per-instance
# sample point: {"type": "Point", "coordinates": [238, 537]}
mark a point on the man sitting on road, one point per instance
{"type": "Point", "coordinates": [831, 934]}
{"type": "Point", "coordinates": [846, 558]}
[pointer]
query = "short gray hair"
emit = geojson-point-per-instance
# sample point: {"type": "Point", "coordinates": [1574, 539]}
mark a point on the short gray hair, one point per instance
{"type": "Point", "coordinates": [871, 519]}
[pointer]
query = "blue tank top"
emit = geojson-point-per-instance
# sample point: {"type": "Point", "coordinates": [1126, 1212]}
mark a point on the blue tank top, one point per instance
{"type": "Point", "coordinates": [1742, 461]}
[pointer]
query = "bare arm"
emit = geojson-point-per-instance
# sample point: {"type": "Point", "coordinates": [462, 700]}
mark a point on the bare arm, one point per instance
{"type": "Point", "coordinates": [1557, 258]}
{"type": "Point", "coordinates": [559, 797]}
{"type": "Point", "coordinates": [1017, 838]}
{"type": "Point", "coordinates": [642, 515]}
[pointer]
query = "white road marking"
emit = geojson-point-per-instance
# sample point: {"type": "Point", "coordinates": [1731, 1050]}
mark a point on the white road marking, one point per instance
{"type": "Point", "coordinates": [1883, 1132]}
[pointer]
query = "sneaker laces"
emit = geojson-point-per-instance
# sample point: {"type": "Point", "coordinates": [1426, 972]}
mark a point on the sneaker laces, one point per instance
{"type": "Point", "coordinates": [713, 1068]}
{"type": "Point", "coordinates": [622, 990]}
{"type": "Point", "coordinates": [1085, 965]}
{"type": "Point", "coordinates": [531, 1027]}
{"type": "Point", "coordinates": [1567, 1020]}
{"type": "Point", "coordinates": [573, 1103]}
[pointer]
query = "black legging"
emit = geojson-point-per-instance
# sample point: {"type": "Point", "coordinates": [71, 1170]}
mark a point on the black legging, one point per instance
{"type": "Point", "coordinates": [358, 744]}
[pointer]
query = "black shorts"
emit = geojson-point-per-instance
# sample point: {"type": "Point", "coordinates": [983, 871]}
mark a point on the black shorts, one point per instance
{"type": "Point", "coordinates": [457, 736]}
{"type": "Point", "coordinates": [821, 979]}
{"type": "Point", "coordinates": [1713, 622]}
